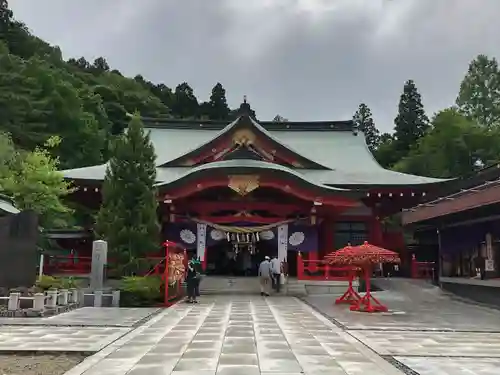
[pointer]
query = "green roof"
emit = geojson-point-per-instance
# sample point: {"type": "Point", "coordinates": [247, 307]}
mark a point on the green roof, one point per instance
{"type": "Point", "coordinates": [247, 165]}
{"type": "Point", "coordinates": [340, 153]}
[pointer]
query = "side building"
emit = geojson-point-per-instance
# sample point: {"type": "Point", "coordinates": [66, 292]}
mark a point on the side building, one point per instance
{"type": "Point", "coordinates": [264, 188]}
{"type": "Point", "coordinates": [462, 226]}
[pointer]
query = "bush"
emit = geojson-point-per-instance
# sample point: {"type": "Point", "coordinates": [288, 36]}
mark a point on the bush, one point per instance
{"type": "Point", "coordinates": [141, 291]}
{"type": "Point", "coordinates": [51, 282]}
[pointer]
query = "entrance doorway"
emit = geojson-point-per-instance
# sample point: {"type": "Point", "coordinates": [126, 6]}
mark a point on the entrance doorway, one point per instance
{"type": "Point", "coordinates": [292, 263]}
{"type": "Point", "coordinates": [226, 259]}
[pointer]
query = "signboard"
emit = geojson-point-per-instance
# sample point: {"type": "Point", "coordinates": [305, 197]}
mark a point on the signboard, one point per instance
{"type": "Point", "coordinates": [489, 265]}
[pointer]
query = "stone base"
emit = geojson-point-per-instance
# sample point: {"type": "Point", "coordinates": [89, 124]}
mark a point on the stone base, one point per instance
{"type": "Point", "coordinates": [486, 294]}
{"type": "Point", "coordinates": [319, 287]}
{"type": "Point", "coordinates": [30, 313]}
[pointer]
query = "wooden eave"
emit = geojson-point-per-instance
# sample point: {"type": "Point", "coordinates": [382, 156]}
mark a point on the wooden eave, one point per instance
{"type": "Point", "coordinates": [467, 199]}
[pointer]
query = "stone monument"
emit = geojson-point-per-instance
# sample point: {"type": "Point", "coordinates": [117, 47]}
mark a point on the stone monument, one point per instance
{"type": "Point", "coordinates": [99, 261]}
{"type": "Point", "coordinates": [18, 250]}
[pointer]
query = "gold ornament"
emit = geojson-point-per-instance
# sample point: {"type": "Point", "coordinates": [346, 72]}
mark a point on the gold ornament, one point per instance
{"type": "Point", "coordinates": [244, 137]}
{"type": "Point", "coordinates": [243, 184]}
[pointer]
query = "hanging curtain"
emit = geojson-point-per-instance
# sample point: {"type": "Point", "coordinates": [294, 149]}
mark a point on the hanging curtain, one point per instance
{"type": "Point", "coordinates": [241, 229]}
{"type": "Point", "coordinates": [282, 242]}
{"type": "Point", "coordinates": [201, 234]}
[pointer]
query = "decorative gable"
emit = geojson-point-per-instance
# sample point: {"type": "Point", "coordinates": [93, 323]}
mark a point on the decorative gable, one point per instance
{"type": "Point", "coordinates": [243, 152]}
{"type": "Point", "coordinates": [248, 138]}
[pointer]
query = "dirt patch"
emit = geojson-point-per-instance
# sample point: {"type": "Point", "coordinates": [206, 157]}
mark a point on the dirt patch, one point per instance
{"type": "Point", "coordinates": [42, 364]}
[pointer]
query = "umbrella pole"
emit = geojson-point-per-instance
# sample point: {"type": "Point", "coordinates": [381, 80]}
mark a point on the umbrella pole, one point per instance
{"type": "Point", "coordinates": [350, 296]}
{"type": "Point", "coordinates": [365, 303]}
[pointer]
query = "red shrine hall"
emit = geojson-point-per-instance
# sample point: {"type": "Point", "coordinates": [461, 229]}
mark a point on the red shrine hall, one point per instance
{"type": "Point", "coordinates": [232, 193]}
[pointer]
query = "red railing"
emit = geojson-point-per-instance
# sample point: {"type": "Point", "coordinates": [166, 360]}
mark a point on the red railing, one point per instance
{"type": "Point", "coordinates": [66, 264]}
{"type": "Point", "coordinates": [81, 265]}
{"type": "Point", "coordinates": [319, 270]}
{"type": "Point", "coordinates": [422, 270]}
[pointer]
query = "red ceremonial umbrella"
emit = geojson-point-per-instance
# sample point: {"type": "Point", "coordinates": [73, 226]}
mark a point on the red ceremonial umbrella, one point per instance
{"type": "Point", "coordinates": [168, 245]}
{"type": "Point", "coordinates": [350, 296]}
{"type": "Point", "coordinates": [365, 256]}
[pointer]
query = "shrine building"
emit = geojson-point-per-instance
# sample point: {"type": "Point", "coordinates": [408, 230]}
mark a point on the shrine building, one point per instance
{"type": "Point", "coordinates": [233, 193]}
{"type": "Point", "coordinates": [458, 231]}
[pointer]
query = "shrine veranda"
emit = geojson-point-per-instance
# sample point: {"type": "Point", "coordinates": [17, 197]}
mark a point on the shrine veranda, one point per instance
{"type": "Point", "coordinates": [283, 188]}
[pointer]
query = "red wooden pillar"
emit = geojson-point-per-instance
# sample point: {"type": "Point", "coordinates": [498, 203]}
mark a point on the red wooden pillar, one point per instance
{"type": "Point", "coordinates": [376, 234]}
{"type": "Point", "coordinates": [312, 264]}
{"type": "Point", "coordinates": [414, 267]}
{"type": "Point", "coordinates": [300, 266]}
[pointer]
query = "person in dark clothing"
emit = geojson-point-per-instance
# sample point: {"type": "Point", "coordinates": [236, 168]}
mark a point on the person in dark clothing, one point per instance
{"type": "Point", "coordinates": [191, 281]}
{"type": "Point", "coordinates": [198, 268]}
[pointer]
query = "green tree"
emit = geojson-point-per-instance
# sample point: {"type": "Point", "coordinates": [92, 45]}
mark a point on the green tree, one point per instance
{"type": "Point", "coordinates": [6, 19]}
{"type": "Point", "coordinates": [411, 123]}
{"type": "Point", "coordinates": [384, 153]}
{"type": "Point", "coordinates": [100, 66]}
{"type": "Point", "coordinates": [455, 146]}
{"type": "Point", "coordinates": [185, 104]}
{"type": "Point", "coordinates": [279, 118]}
{"type": "Point", "coordinates": [128, 215]}
{"type": "Point", "coordinates": [363, 120]}
{"type": "Point", "coordinates": [32, 179]}
{"type": "Point", "coordinates": [218, 108]}
{"type": "Point", "coordinates": [479, 97]}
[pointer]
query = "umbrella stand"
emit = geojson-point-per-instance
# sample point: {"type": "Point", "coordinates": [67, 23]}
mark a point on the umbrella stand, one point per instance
{"type": "Point", "coordinates": [350, 296]}
{"type": "Point", "coordinates": [368, 303]}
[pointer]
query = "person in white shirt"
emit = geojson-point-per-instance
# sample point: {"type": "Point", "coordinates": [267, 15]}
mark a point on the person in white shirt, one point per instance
{"type": "Point", "coordinates": [276, 271]}
{"type": "Point", "coordinates": [265, 276]}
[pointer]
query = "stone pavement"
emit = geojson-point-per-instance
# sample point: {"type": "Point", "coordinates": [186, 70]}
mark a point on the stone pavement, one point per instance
{"type": "Point", "coordinates": [237, 335]}
{"type": "Point", "coordinates": [427, 331]}
{"type": "Point", "coordinates": [54, 339]}
{"type": "Point", "coordinates": [89, 317]}
{"type": "Point", "coordinates": [87, 330]}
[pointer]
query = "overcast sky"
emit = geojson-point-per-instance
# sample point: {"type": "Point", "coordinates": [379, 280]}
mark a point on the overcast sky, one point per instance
{"type": "Point", "coordinates": [302, 59]}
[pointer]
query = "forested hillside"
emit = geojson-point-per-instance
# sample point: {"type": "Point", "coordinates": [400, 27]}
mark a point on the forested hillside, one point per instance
{"type": "Point", "coordinates": [83, 102]}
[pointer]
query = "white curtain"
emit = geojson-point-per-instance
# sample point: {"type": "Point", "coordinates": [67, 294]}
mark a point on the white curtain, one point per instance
{"type": "Point", "coordinates": [201, 238]}
{"type": "Point", "coordinates": [282, 242]}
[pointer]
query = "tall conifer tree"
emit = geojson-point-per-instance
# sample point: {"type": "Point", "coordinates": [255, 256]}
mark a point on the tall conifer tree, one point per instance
{"type": "Point", "coordinates": [364, 121]}
{"type": "Point", "coordinates": [411, 123]}
{"type": "Point", "coordinates": [218, 108]}
{"type": "Point", "coordinates": [128, 215]}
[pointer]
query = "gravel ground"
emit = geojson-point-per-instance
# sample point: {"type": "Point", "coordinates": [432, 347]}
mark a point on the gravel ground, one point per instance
{"type": "Point", "coordinates": [42, 364]}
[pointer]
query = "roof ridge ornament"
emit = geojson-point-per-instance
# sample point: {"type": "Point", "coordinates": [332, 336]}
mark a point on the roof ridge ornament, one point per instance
{"type": "Point", "coordinates": [245, 109]}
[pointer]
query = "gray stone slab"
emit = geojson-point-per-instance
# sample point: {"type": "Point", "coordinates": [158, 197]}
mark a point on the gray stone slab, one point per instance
{"type": "Point", "coordinates": [89, 316]}
{"type": "Point", "coordinates": [189, 364]}
{"type": "Point", "coordinates": [452, 366]}
{"type": "Point", "coordinates": [276, 364]}
{"type": "Point", "coordinates": [75, 339]}
{"type": "Point", "coordinates": [414, 306]}
{"type": "Point", "coordinates": [449, 344]}
{"type": "Point", "coordinates": [238, 359]}
{"type": "Point", "coordinates": [238, 370]}
{"type": "Point", "coordinates": [239, 349]}
{"type": "Point", "coordinates": [201, 353]}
